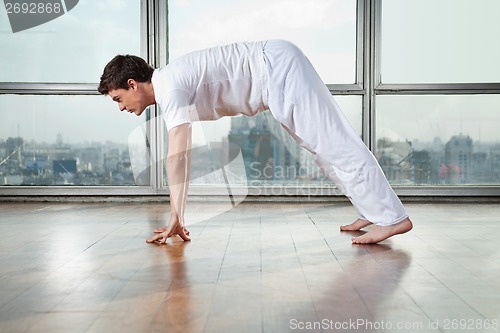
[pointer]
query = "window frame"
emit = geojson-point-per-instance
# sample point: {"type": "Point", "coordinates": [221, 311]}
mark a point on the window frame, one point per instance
{"type": "Point", "coordinates": [148, 10]}
{"type": "Point", "coordinates": [380, 88]}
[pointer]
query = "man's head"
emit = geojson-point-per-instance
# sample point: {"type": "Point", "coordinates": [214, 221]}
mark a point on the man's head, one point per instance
{"type": "Point", "coordinates": [127, 80]}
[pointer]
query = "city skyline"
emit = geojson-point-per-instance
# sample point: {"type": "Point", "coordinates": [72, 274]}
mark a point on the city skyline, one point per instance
{"type": "Point", "coordinates": [459, 160]}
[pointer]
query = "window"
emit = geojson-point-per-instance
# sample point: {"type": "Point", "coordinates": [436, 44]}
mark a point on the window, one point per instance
{"type": "Point", "coordinates": [325, 30]}
{"type": "Point", "coordinates": [64, 140]}
{"type": "Point", "coordinates": [436, 118]}
{"type": "Point", "coordinates": [74, 47]}
{"type": "Point", "coordinates": [68, 138]}
{"type": "Point", "coordinates": [445, 41]}
{"type": "Point", "coordinates": [418, 80]}
{"type": "Point", "coordinates": [271, 156]}
{"type": "Point", "coordinates": [439, 139]}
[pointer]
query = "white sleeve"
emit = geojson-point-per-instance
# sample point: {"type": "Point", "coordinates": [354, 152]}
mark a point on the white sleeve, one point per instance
{"type": "Point", "coordinates": [177, 108]}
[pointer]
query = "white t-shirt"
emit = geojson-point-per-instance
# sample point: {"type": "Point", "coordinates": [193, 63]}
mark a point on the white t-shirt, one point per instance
{"type": "Point", "coordinates": [212, 83]}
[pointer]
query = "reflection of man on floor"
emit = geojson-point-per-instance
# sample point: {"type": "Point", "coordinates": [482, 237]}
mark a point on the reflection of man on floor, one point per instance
{"type": "Point", "coordinates": [247, 78]}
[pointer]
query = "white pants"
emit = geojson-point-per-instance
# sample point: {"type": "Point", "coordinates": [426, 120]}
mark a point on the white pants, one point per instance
{"type": "Point", "coordinates": [301, 102]}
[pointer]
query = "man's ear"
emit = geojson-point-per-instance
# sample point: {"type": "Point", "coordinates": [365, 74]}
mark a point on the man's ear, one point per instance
{"type": "Point", "coordinates": [132, 84]}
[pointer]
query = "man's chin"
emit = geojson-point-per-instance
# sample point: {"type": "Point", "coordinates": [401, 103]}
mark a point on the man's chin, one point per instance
{"type": "Point", "coordinates": [138, 113]}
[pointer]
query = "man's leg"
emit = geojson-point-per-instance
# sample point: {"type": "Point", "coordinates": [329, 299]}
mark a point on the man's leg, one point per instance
{"type": "Point", "coordinates": [364, 183]}
{"type": "Point", "coordinates": [300, 101]}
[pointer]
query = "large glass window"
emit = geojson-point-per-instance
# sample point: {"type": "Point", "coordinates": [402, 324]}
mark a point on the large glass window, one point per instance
{"type": "Point", "coordinates": [74, 47]}
{"type": "Point", "coordinates": [325, 30]}
{"type": "Point", "coordinates": [270, 155]}
{"type": "Point", "coordinates": [439, 140]}
{"type": "Point", "coordinates": [445, 41]}
{"type": "Point", "coordinates": [66, 140]}
{"type": "Point", "coordinates": [426, 131]}
{"type": "Point", "coordinates": [430, 131]}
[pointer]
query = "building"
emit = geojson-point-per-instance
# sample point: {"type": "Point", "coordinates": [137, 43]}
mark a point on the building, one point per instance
{"type": "Point", "coordinates": [458, 152]}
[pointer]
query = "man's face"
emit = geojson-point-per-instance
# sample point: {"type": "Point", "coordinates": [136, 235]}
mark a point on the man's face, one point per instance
{"type": "Point", "coordinates": [131, 100]}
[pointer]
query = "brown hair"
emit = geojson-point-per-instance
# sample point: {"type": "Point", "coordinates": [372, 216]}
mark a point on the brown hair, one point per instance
{"type": "Point", "coordinates": [122, 68]}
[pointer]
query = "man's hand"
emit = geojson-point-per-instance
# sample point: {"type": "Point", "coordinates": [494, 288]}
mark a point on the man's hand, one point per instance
{"type": "Point", "coordinates": [174, 228]}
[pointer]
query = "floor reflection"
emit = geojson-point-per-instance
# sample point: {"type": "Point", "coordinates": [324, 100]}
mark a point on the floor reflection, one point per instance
{"type": "Point", "coordinates": [364, 296]}
{"type": "Point", "coordinates": [178, 312]}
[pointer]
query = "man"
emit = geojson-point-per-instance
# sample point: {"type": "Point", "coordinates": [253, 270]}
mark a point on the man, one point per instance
{"type": "Point", "coordinates": [247, 78]}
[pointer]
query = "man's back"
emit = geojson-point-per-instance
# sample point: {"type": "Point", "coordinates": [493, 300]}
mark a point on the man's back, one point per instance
{"type": "Point", "coordinates": [221, 81]}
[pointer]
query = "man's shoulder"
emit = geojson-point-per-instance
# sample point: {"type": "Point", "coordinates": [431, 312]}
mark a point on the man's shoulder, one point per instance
{"type": "Point", "coordinates": [164, 76]}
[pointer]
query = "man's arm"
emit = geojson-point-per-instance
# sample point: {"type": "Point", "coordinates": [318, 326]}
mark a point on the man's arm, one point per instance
{"type": "Point", "coordinates": [178, 171]}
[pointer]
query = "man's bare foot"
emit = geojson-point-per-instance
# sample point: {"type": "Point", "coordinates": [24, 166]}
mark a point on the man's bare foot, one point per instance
{"type": "Point", "coordinates": [379, 233]}
{"type": "Point", "coordinates": [356, 225]}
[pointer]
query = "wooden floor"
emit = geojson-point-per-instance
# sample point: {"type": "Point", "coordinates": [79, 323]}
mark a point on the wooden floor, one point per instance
{"type": "Point", "coordinates": [260, 267]}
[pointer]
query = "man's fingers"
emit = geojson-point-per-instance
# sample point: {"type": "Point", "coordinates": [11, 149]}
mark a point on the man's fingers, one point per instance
{"type": "Point", "coordinates": [157, 238]}
{"type": "Point", "coordinates": [162, 234]}
{"type": "Point", "coordinates": [151, 239]}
